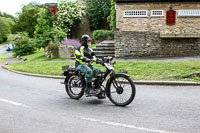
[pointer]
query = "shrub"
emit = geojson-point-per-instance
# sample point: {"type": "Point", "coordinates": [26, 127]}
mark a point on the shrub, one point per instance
{"type": "Point", "coordinates": [57, 35]}
{"type": "Point", "coordinates": [52, 50]}
{"type": "Point", "coordinates": [69, 14]}
{"type": "Point", "coordinates": [10, 37]}
{"type": "Point", "coordinates": [100, 35]}
{"type": "Point", "coordinates": [73, 42]}
{"type": "Point", "coordinates": [23, 45]}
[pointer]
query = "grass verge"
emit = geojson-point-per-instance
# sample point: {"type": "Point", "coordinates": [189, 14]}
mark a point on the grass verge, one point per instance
{"type": "Point", "coordinates": [3, 57]}
{"type": "Point", "coordinates": [39, 55]}
{"type": "Point", "coordinates": [138, 70]}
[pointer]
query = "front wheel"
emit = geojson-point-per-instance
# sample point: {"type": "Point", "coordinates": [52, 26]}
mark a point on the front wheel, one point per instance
{"type": "Point", "coordinates": [121, 90]}
{"type": "Point", "coordinates": [74, 86]}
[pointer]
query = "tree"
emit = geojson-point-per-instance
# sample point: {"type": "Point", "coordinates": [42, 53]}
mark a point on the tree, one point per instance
{"type": "Point", "coordinates": [27, 19]}
{"type": "Point", "coordinates": [69, 14]}
{"type": "Point", "coordinates": [97, 12]}
{"type": "Point", "coordinates": [6, 15]}
{"type": "Point", "coordinates": [43, 27]}
{"type": "Point", "coordinates": [4, 29]}
{"type": "Point", "coordinates": [45, 32]}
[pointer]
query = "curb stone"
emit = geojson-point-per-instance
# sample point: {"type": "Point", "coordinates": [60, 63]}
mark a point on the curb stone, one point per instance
{"type": "Point", "coordinates": [139, 82]}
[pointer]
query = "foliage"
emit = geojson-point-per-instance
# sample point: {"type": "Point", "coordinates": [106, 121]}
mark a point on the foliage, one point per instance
{"type": "Point", "coordinates": [57, 35]}
{"type": "Point", "coordinates": [52, 50]}
{"type": "Point", "coordinates": [112, 17]}
{"type": "Point", "coordinates": [69, 14]}
{"type": "Point", "coordinates": [23, 45]}
{"type": "Point", "coordinates": [97, 12]}
{"type": "Point", "coordinates": [43, 28]}
{"type": "Point", "coordinates": [45, 32]}
{"type": "Point", "coordinates": [27, 20]}
{"type": "Point", "coordinates": [6, 23]}
{"type": "Point", "coordinates": [6, 15]}
{"type": "Point", "coordinates": [100, 35]}
{"type": "Point", "coordinates": [4, 29]}
{"type": "Point", "coordinates": [10, 37]}
{"type": "Point", "coordinates": [73, 42]}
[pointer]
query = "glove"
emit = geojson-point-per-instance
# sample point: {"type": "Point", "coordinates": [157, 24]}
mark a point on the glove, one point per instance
{"type": "Point", "coordinates": [87, 60]}
{"type": "Point", "coordinates": [99, 61]}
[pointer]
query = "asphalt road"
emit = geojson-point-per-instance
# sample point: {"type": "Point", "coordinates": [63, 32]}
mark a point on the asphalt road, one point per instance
{"type": "Point", "coordinates": [40, 105]}
{"type": "Point", "coordinates": [2, 49]}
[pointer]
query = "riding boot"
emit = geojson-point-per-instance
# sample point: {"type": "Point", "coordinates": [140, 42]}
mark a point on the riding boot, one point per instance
{"type": "Point", "coordinates": [101, 93]}
{"type": "Point", "coordinates": [89, 90]}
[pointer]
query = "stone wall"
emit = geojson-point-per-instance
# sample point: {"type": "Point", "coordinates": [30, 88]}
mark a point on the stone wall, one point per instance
{"type": "Point", "coordinates": [66, 51]}
{"type": "Point", "coordinates": [133, 44]}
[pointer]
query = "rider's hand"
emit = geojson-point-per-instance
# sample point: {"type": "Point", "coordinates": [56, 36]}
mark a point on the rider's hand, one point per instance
{"type": "Point", "coordinates": [99, 61]}
{"type": "Point", "coordinates": [88, 60]}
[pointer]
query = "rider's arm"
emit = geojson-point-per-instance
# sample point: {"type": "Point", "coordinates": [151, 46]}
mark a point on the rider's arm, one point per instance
{"type": "Point", "coordinates": [79, 56]}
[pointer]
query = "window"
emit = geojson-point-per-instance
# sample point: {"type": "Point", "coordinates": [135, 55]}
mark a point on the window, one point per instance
{"type": "Point", "coordinates": [135, 13]}
{"type": "Point", "coordinates": [189, 13]}
{"type": "Point", "coordinates": [157, 13]}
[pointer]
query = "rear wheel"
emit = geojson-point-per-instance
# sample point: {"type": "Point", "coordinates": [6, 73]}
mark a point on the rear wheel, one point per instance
{"type": "Point", "coordinates": [121, 90]}
{"type": "Point", "coordinates": [74, 86]}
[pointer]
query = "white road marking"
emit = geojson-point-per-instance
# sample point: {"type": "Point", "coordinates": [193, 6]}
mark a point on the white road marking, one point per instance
{"type": "Point", "coordinates": [122, 125]}
{"type": "Point", "coordinates": [14, 103]}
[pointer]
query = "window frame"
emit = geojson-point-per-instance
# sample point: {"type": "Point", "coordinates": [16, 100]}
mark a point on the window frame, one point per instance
{"type": "Point", "coordinates": [135, 16]}
{"type": "Point", "coordinates": [157, 15]}
{"type": "Point", "coordinates": [181, 14]}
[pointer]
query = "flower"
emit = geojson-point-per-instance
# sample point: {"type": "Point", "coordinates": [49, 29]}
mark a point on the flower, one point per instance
{"type": "Point", "coordinates": [73, 42]}
{"type": "Point", "coordinates": [180, 30]}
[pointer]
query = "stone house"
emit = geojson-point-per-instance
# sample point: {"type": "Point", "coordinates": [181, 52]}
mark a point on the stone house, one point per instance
{"type": "Point", "coordinates": [157, 28]}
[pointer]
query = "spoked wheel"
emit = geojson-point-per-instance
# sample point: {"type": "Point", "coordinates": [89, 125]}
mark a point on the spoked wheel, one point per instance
{"type": "Point", "coordinates": [122, 90]}
{"type": "Point", "coordinates": [74, 87]}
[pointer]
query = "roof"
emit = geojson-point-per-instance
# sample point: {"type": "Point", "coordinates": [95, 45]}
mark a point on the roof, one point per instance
{"type": "Point", "coordinates": [155, 0]}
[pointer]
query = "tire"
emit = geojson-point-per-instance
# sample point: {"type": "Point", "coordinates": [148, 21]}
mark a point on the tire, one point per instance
{"type": "Point", "coordinates": [74, 86]}
{"type": "Point", "coordinates": [121, 85]}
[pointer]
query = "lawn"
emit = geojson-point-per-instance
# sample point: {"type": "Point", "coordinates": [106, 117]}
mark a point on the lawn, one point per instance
{"type": "Point", "coordinates": [39, 55]}
{"type": "Point", "coordinates": [3, 57]}
{"type": "Point", "coordinates": [138, 70]}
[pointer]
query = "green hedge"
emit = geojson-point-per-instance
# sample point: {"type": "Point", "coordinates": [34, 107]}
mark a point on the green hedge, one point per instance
{"type": "Point", "coordinates": [100, 35]}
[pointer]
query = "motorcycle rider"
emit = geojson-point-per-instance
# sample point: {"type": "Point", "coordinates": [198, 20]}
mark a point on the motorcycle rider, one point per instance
{"type": "Point", "coordinates": [83, 55]}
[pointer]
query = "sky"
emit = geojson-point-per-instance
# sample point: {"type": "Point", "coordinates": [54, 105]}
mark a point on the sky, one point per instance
{"type": "Point", "coordinates": [13, 6]}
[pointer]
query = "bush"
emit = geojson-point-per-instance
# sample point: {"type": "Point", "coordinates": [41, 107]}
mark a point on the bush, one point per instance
{"type": "Point", "coordinates": [100, 35]}
{"type": "Point", "coordinates": [69, 14]}
{"type": "Point", "coordinates": [23, 45]}
{"type": "Point", "coordinates": [10, 37]}
{"type": "Point", "coordinates": [52, 50]}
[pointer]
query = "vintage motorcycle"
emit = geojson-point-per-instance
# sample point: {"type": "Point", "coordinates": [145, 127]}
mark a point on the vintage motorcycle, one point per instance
{"type": "Point", "coordinates": [118, 87]}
